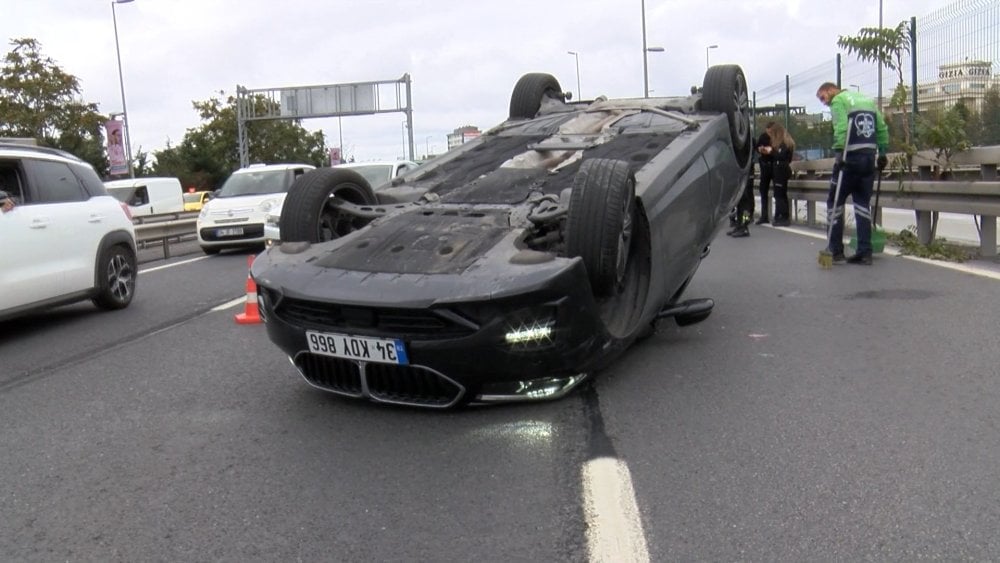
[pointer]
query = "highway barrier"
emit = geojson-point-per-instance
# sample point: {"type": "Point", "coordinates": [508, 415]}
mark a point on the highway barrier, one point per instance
{"type": "Point", "coordinates": [164, 229]}
{"type": "Point", "coordinates": [925, 195]}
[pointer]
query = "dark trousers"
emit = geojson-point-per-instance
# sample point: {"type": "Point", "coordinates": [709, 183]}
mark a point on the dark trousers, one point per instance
{"type": "Point", "coordinates": [782, 171]}
{"type": "Point", "coordinates": [744, 207]}
{"type": "Point", "coordinates": [766, 175]}
{"type": "Point", "coordinates": [857, 175]}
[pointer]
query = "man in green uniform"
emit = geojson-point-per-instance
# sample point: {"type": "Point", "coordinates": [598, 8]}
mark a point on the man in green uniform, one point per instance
{"type": "Point", "coordinates": [860, 139]}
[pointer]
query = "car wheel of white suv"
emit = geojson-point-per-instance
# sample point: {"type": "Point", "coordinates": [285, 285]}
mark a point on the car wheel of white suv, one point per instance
{"type": "Point", "coordinates": [116, 271]}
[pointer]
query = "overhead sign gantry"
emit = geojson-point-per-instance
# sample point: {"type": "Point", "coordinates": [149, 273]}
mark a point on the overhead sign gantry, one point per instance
{"type": "Point", "coordinates": [329, 100]}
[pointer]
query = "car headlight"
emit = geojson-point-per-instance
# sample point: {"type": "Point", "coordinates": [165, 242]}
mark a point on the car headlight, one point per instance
{"type": "Point", "coordinates": [204, 212]}
{"type": "Point", "coordinates": [531, 329]}
{"type": "Point", "coordinates": [268, 204]}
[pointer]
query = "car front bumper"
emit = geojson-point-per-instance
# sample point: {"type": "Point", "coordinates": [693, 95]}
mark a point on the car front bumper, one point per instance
{"type": "Point", "coordinates": [531, 345]}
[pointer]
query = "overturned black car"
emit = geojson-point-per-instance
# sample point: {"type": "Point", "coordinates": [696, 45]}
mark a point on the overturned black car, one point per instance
{"type": "Point", "coordinates": [515, 265]}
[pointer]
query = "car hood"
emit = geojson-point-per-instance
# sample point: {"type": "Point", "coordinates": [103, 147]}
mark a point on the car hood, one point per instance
{"type": "Point", "coordinates": [243, 202]}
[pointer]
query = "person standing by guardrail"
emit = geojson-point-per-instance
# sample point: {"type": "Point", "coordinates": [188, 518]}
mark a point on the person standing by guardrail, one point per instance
{"type": "Point", "coordinates": [782, 149]}
{"type": "Point", "coordinates": [860, 140]}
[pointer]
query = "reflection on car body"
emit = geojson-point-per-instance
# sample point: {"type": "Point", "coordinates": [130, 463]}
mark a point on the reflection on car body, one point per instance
{"type": "Point", "coordinates": [513, 266]}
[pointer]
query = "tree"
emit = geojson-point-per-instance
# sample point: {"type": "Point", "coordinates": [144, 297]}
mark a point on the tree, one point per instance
{"type": "Point", "coordinates": [41, 101]}
{"type": "Point", "coordinates": [209, 153]}
{"type": "Point", "coordinates": [944, 131]}
{"type": "Point", "coordinates": [884, 47]}
{"type": "Point", "coordinates": [990, 117]}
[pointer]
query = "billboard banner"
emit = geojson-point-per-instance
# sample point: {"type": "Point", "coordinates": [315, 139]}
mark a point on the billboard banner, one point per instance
{"type": "Point", "coordinates": [116, 147]}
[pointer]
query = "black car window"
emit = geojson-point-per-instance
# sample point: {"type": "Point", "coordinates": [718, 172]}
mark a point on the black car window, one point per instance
{"type": "Point", "coordinates": [90, 180]}
{"type": "Point", "coordinates": [10, 180]}
{"type": "Point", "coordinates": [54, 182]}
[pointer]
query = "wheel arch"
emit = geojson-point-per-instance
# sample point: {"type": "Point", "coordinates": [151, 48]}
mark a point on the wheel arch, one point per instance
{"type": "Point", "coordinates": [114, 238]}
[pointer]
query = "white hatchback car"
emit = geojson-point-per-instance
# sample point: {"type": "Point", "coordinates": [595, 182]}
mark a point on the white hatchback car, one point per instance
{"type": "Point", "coordinates": [234, 217]}
{"type": "Point", "coordinates": [66, 239]}
{"type": "Point", "coordinates": [377, 174]}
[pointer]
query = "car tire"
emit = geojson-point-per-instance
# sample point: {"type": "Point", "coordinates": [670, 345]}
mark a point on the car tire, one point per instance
{"type": "Point", "coordinates": [115, 276]}
{"type": "Point", "coordinates": [725, 90]}
{"type": "Point", "coordinates": [210, 250]}
{"type": "Point", "coordinates": [528, 93]}
{"type": "Point", "coordinates": [306, 214]}
{"type": "Point", "coordinates": [600, 222]}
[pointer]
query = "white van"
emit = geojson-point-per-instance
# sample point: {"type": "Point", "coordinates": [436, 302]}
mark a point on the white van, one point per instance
{"type": "Point", "coordinates": [148, 196]}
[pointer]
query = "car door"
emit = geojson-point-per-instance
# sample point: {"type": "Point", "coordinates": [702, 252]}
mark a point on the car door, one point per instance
{"type": "Point", "coordinates": [57, 234]}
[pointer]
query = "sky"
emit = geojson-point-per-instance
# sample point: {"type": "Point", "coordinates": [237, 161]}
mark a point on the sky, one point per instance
{"type": "Point", "coordinates": [463, 57]}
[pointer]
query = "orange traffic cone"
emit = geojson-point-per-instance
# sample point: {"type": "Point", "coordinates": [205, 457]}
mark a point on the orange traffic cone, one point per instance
{"type": "Point", "coordinates": [250, 314]}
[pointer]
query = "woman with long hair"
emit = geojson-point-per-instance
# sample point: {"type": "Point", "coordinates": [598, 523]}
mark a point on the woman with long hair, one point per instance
{"type": "Point", "coordinates": [782, 150]}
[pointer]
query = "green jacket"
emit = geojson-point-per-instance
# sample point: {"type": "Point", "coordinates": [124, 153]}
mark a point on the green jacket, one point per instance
{"type": "Point", "coordinates": [847, 102]}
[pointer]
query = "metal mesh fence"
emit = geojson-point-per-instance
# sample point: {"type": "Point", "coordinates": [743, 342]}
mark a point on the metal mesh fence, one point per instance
{"type": "Point", "coordinates": [955, 88]}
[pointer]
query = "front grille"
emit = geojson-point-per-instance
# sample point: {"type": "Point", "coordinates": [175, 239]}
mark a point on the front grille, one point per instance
{"type": "Point", "coordinates": [249, 232]}
{"type": "Point", "coordinates": [398, 323]}
{"type": "Point", "coordinates": [410, 385]}
{"type": "Point", "coordinates": [332, 374]}
{"type": "Point", "coordinates": [386, 383]}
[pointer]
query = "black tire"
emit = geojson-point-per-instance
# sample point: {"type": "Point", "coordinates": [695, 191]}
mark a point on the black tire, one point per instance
{"type": "Point", "coordinates": [526, 99]}
{"type": "Point", "coordinates": [600, 222]}
{"type": "Point", "coordinates": [115, 277]}
{"type": "Point", "coordinates": [306, 214]}
{"type": "Point", "coordinates": [725, 91]}
{"type": "Point", "coordinates": [210, 250]}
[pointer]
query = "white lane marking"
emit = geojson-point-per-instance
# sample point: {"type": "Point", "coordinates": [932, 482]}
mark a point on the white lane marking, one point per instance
{"type": "Point", "coordinates": [230, 304]}
{"type": "Point", "coordinates": [981, 272]}
{"type": "Point", "coordinates": [188, 261]}
{"type": "Point", "coordinates": [614, 528]}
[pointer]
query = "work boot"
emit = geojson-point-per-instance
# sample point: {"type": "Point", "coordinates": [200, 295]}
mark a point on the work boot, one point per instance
{"type": "Point", "coordinates": [740, 232]}
{"type": "Point", "coordinates": [839, 258]}
{"type": "Point", "coordinates": [864, 259]}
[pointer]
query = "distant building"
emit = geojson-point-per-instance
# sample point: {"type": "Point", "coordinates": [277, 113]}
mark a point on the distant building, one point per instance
{"type": "Point", "coordinates": [463, 134]}
{"type": "Point", "coordinates": [965, 82]}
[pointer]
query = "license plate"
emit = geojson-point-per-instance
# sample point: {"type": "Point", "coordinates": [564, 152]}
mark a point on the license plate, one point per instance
{"type": "Point", "coordinates": [381, 350]}
{"type": "Point", "coordinates": [229, 232]}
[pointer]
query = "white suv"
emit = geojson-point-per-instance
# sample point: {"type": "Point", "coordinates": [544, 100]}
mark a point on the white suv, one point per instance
{"type": "Point", "coordinates": [234, 217]}
{"type": "Point", "coordinates": [65, 239]}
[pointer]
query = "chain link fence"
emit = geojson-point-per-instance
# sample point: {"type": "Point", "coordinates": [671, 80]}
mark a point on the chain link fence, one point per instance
{"type": "Point", "coordinates": [952, 85]}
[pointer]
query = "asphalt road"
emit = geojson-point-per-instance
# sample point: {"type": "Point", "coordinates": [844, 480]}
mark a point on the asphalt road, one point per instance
{"type": "Point", "coordinates": [842, 414]}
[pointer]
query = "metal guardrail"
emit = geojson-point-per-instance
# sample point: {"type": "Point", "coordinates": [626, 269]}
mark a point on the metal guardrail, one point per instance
{"type": "Point", "coordinates": [924, 196]}
{"type": "Point", "coordinates": [164, 229]}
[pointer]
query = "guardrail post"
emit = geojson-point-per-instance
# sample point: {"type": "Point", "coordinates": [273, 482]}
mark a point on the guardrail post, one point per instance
{"type": "Point", "coordinates": [989, 171]}
{"type": "Point", "coordinates": [924, 227]}
{"type": "Point", "coordinates": [988, 235]}
{"type": "Point", "coordinates": [811, 213]}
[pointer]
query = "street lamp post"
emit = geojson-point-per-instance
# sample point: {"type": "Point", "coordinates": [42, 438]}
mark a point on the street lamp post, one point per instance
{"type": "Point", "coordinates": [576, 56]}
{"type": "Point", "coordinates": [706, 54]}
{"type": "Point", "coordinates": [121, 85]}
{"type": "Point", "coordinates": [427, 146]}
{"type": "Point", "coordinates": [645, 49]}
{"type": "Point", "coordinates": [856, 87]}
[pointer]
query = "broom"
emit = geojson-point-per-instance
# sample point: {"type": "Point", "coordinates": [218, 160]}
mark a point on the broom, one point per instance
{"type": "Point", "coordinates": [826, 255]}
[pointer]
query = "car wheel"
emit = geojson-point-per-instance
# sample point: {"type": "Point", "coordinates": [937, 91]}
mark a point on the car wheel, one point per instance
{"type": "Point", "coordinates": [210, 250]}
{"type": "Point", "coordinates": [599, 226]}
{"type": "Point", "coordinates": [526, 99]}
{"type": "Point", "coordinates": [306, 214]}
{"type": "Point", "coordinates": [116, 271]}
{"type": "Point", "coordinates": [725, 91]}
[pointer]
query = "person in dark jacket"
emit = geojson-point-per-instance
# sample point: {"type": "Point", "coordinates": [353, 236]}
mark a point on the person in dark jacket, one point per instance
{"type": "Point", "coordinates": [765, 165]}
{"type": "Point", "coordinates": [782, 150]}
